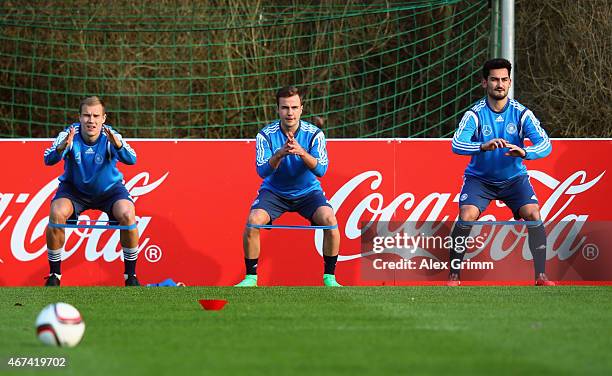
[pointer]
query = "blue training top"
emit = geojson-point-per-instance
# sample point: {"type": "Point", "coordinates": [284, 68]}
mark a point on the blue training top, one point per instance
{"type": "Point", "coordinates": [292, 178]}
{"type": "Point", "coordinates": [513, 123]}
{"type": "Point", "coordinates": [92, 169]}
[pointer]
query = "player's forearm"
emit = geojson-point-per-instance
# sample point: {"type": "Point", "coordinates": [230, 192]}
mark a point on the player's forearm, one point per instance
{"type": "Point", "coordinates": [275, 160]}
{"type": "Point", "coordinates": [126, 154]}
{"type": "Point", "coordinates": [540, 150]}
{"type": "Point", "coordinates": [319, 170]}
{"type": "Point", "coordinates": [61, 147]}
{"type": "Point", "coordinates": [56, 152]}
{"type": "Point", "coordinates": [266, 167]}
{"type": "Point", "coordinates": [264, 170]}
{"type": "Point", "coordinates": [52, 157]}
{"type": "Point", "coordinates": [466, 148]}
{"type": "Point", "coordinates": [310, 161]}
{"type": "Point", "coordinates": [314, 165]}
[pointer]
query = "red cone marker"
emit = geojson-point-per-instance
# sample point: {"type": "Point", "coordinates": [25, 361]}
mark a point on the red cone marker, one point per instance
{"type": "Point", "coordinates": [212, 304]}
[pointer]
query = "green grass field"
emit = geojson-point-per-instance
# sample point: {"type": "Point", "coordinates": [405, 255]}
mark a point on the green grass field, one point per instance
{"type": "Point", "coordinates": [314, 331]}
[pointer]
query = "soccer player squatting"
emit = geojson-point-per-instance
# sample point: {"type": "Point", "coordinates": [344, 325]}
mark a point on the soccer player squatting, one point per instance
{"type": "Point", "coordinates": [290, 155]}
{"type": "Point", "coordinates": [90, 150]}
{"type": "Point", "coordinates": [493, 133]}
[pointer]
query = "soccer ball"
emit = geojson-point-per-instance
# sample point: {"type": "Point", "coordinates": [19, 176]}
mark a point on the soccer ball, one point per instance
{"type": "Point", "coordinates": [60, 324]}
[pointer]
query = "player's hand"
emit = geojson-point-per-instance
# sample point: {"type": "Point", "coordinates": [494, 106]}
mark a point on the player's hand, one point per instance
{"type": "Point", "coordinates": [283, 151]}
{"type": "Point", "coordinates": [67, 143]}
{"type": "Point", "coordinates": [496, 143]}
{"type": "Point", "coordinates": [294, 147]}
{"type": "Point", "coordinates": [111, 137]}
{"type": "Point", "coordinates": [290, 137]}
{"type": "Point", "coordinates": [515, 151]}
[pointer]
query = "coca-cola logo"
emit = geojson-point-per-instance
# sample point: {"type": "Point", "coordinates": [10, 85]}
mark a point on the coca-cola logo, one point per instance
{"type": "Point", "coordinates": [21, 244]}
{"type": "Point", "coordinates": [372, 210]}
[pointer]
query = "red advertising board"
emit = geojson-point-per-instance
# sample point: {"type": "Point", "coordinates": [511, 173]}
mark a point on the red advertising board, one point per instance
{"type": "Point", "coordinates": [193, 197]}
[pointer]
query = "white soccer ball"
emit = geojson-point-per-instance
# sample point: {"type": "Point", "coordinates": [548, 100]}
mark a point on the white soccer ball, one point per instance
{"type": "Point", "coordinates": [60, 324]}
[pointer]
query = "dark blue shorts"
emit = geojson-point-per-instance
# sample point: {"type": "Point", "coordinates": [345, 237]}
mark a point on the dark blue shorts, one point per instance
{"type": "Point", "coordinates": [276, 205]}
{"type": "Point", "coordinates": [81, 202]}
{"type": "Point", "coordinates": [515, 193]}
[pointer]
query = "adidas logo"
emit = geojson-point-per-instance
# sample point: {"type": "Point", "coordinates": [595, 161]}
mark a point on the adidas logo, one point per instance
{"type": "Point", "coordinates": [534, 197]}
{"type": "Point", "coordinates": [90, 151]}
{"type": "Point", "coordinates": [499, 119]}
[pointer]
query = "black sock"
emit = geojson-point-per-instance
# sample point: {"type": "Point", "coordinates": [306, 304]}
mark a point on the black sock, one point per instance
{"type": "Point", "coordinates": [55, 267]}
{"type": "Point", "coordinates": [251, 265]}
{"type": "Point", "coordinates": [130, 256]}
{"type": "Point", "coordinates": [55, 261]}
{"type": "Point", "coordinates": [460, 231]}
{"type": "Point", "coordinates": [330, 264]}
{"type": "Point", "coordinates": [537, 246]}
{"type": "Point", "coordinates": [130, 267]}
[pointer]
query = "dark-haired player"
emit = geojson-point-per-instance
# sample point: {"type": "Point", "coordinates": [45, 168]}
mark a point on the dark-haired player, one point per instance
{"type": "Point", "coordinates": [493, 133]}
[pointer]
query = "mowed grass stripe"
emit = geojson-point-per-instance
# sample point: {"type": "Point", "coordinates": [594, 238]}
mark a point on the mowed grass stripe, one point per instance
{"type": "Point", "coordinates": [503, 330]}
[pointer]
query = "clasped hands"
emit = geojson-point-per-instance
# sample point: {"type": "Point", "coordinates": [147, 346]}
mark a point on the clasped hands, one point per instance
{"type": "Point", "coordinates": [498, 143]}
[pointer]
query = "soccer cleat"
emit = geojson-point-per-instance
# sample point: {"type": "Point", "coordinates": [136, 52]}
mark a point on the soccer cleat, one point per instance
{"type": "Point", "coordinates": [250, 280]}
{"type": "Point", "coordinates": [453, 280]}
{"type": "Point", "coordinates": [53, 280]}
{"type": "Point", "coordinates": [330, 280]}
{"type": "Point", "coordinates": [542, 280]}
{"type": "Point", "coordinates": [131, 280]}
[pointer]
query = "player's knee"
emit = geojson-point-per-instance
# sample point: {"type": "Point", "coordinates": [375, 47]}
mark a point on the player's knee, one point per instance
{"type": "Point", "coordinates": [330, 220]}
{"type": "Point", "coordinates": [59, 214]}
{"type": "Point", "coordinates": [469, 215]}
{"type": "Point", "coordinates": [530, 212]}
{"type": "Point", "coordinates": [258, 217]}
{"type": "Point", "coordinates": [57, 217]}
{"type": "Point", "coordinates": [532, 215]}
{"type": "Point", "coordinates": [125, 217]}
{"type": "Point", "coordinates": [326, 218]}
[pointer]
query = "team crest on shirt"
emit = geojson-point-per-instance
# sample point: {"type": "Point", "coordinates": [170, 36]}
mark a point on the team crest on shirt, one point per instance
{"type": "Point", "coordinates": [487, 130]}
{"type": "Point", "coordinates": [463, 197]}
{"type": "Point", "coordinates": [511, 128]}
{"type": "Point", "coordinates": [98, 158]}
